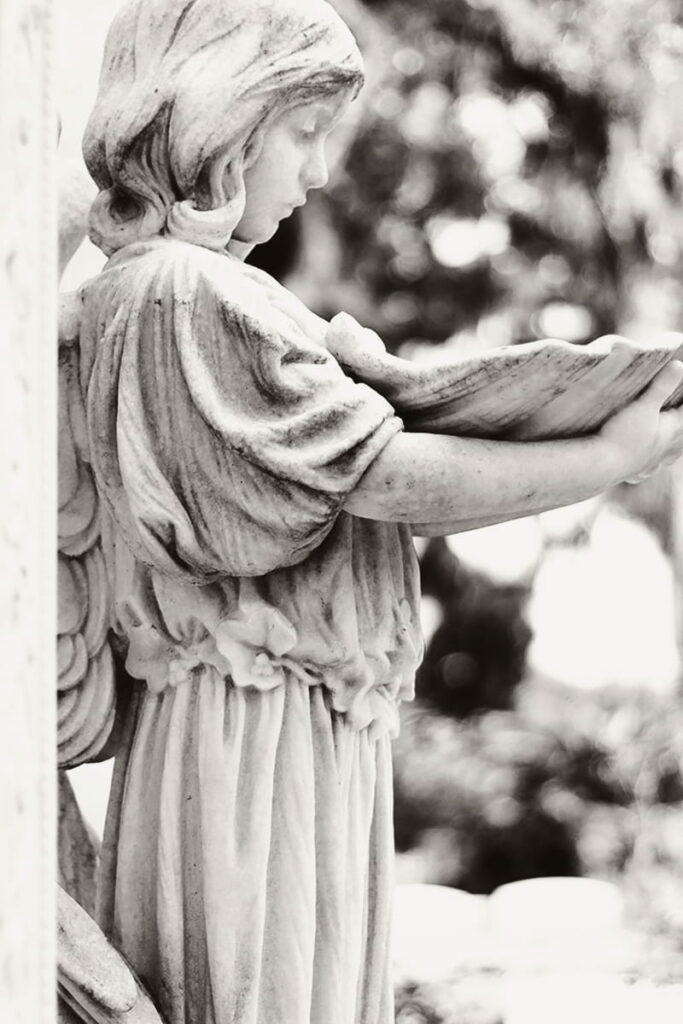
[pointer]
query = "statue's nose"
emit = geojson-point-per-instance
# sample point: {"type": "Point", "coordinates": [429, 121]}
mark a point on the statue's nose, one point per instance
{"type": "Point", "coordinates": [316, 173]}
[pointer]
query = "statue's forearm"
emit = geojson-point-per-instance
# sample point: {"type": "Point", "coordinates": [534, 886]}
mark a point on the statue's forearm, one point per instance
{"type": "Point", "coordinates": [448, 484]}
{"type": "Point", "coordinates": [447, 527]}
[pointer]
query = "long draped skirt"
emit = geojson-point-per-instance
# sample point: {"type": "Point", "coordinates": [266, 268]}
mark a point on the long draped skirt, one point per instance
{"type": "Point", "coordinates": [247, 862]}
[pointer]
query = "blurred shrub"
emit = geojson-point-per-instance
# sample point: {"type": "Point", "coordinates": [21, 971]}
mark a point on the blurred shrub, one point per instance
{"type": "Point", "coordinates": [476, 657]}
{"type": "Point", "coordinates": [558, 786]}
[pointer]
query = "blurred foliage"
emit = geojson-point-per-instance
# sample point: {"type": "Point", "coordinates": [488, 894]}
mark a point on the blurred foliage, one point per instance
{"type": "Point", "coordinates": [568, 782]}
{"type": "Point", "coordinates": [476, 656]}
{"type": "Point", "coordinates": [517, 173]}
{"type": "Point", "coordinates": [559, 785]}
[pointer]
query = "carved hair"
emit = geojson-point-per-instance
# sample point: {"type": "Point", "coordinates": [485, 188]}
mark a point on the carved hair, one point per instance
{"type": "Point", "coordinates": [187, 91]}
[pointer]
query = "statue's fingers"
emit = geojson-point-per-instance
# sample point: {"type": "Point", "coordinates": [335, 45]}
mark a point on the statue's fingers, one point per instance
{"type": "Point", "coordinates": [665, 383]}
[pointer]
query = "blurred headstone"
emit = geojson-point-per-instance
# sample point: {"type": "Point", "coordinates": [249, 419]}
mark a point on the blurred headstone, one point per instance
{"type": "Point", "coordinates": [436, 930]}
{"type": "Point", "coordinates": [560, 941]}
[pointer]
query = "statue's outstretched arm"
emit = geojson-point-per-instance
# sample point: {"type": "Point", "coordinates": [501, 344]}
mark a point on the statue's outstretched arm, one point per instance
{"type": "Point", "coordinates": [435, 479]}
{"type": "Point", "coordinates": [443, 484]}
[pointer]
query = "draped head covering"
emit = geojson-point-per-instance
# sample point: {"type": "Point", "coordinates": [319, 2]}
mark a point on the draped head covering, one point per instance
{"type": "Point", "coordinates": [186, 91]}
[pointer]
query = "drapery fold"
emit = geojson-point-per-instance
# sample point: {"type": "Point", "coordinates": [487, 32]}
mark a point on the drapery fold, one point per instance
{"type": "Point", "coordinates": [251, 873]}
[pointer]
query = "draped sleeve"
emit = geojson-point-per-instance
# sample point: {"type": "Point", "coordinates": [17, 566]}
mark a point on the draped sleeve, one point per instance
{"type": "Point", "coordinates": [224, 439]}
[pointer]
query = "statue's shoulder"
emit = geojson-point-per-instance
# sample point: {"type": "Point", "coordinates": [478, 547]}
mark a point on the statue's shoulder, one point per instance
{"type": "Point", "coordinates": [160, 255]}
{"type": "Point", "coordinates": [188, 285]}
{"type": "Point", "coordinates": [171, 270]}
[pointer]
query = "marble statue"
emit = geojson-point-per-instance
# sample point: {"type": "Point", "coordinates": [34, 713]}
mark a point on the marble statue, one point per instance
{"type": "Point", "coordinates": [236, 520]}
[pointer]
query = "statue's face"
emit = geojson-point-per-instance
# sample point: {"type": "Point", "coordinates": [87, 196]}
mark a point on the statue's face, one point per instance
{"type": "Point", "coordinates": [292, 161]}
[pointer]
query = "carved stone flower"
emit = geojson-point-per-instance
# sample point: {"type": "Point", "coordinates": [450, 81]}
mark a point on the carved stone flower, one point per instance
{"type": "Point", "coordinates": [376, 708]}
{"type": "Point", "coordinates": [249, 647]}
{"type": "Point", "coordinates": [254, 642]}
{"type": "Point", "coordinates": [161, 662]}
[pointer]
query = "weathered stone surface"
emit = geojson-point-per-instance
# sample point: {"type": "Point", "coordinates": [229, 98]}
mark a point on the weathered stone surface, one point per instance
{"type": "Point", "coordinates": [27, 570]}
{"type": "Point", "coordinates": [96, 986]}
{"type": "Point", "coordinates": [86, 678]}
{"type": "Point", "coordinates": [78, 849]}
{"type": "Point", "coordinates": [543, 389]}
{"type": "Point", "coordinates": [65, 1015]}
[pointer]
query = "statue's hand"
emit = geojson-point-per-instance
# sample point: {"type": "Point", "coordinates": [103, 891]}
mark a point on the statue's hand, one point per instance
{"type": "Point", "coordinates": [643, 435]}
{"type": "Point", "coordinates": [348, 341]}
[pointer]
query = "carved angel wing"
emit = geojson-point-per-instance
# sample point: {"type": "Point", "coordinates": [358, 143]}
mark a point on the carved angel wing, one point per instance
{"type": "Point", "coordinates": [86, 684]}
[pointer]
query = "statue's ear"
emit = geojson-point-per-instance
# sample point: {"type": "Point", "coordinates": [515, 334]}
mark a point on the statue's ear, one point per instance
{"type": "Point", "coordinates": [220, 180]}
{"type": "Point", "coordinates": [253, 148]}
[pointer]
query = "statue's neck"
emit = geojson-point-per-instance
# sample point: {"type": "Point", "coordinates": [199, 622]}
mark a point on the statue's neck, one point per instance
{"type": "Point", "coordinates": [240, 250]}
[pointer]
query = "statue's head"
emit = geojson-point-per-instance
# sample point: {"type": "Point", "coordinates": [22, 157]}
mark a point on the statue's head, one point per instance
{"type": "Point", "coordinates": [200, 98]}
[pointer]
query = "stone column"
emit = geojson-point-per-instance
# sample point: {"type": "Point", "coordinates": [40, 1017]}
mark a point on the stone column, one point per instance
{"type": "Point", "coordinates": [28, 138]}
{"type": "Point", "coordinates": [677, 548]}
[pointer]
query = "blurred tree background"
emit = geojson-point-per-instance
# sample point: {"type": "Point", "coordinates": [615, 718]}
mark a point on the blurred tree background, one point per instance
{"type": "Point", "coordinates": [516, 172]}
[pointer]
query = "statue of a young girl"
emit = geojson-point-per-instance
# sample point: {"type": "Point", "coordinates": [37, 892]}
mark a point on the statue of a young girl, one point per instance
{"type": "Point", "coordinates": [256, 527]}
